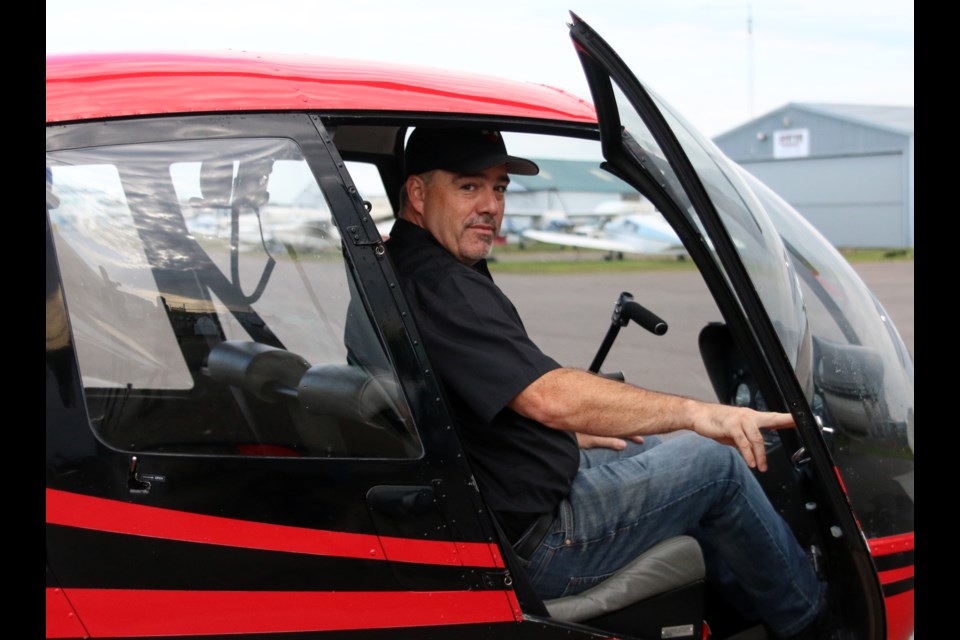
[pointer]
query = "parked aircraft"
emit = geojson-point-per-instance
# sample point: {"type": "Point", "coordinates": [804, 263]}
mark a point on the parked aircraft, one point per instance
{"type": "Point", "coordinates": [220, 465]}
{"type": "Point", "coordinates": [619, 228]}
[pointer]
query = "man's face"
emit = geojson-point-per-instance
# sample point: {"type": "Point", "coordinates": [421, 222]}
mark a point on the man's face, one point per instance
{"type": "Point", "coordinates": [463, 212]}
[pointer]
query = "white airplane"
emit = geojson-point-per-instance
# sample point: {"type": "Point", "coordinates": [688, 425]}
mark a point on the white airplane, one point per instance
{"type": "Point", "coordinates": [624, 227]}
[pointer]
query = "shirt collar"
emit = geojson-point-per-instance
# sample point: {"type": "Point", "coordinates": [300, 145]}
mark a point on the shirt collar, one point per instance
{"type": "Point", "coordinates": [407, 231]}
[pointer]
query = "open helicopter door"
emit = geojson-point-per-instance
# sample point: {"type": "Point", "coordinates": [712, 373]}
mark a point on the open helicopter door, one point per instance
{"type": "Point", "coordinates": [719, 220]}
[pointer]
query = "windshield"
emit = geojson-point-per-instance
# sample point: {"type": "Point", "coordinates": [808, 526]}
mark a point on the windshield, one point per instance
{"type": "Point", "coordinates": [846, 353]}
{"type": "Point", "coordinates": [862, 375]}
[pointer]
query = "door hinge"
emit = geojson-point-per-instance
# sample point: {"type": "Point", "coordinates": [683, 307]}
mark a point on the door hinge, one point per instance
{"type": "Point", "coordinates": [377, 244]}
{"type": "Point", "coordinates": [497, 579]}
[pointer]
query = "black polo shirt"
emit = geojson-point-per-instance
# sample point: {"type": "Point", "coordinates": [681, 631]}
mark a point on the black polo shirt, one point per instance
{"type": "Point", "coordinates": [483, 358]}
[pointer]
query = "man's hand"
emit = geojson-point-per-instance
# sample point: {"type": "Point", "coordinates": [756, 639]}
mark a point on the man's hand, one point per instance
{"type": "Point", "coordinates": [740, 427]}
{"type": "Point", "coordinates": [586, 441]}
{"type": "Point", "coordinates": [583, 402]}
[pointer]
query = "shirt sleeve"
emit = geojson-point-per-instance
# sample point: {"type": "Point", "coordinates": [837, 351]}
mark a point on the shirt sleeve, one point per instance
{"type": "Point", "coordinates": [477, 343]}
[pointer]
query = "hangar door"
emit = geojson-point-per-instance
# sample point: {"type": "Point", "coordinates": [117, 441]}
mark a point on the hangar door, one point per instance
{"type": "Point", "coordinates": [854, 201]}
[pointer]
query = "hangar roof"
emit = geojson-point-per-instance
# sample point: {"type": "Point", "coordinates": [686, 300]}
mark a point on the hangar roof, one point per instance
{"type": "Point", "coordinates": [892, 118]}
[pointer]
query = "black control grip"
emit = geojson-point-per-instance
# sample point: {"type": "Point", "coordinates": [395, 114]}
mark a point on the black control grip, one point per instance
{"type": "Point", "coordinates": [643, 317]}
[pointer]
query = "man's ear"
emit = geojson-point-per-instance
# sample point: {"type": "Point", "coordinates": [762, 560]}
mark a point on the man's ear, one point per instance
{"type": "Point", "coordinates": [416, 192]}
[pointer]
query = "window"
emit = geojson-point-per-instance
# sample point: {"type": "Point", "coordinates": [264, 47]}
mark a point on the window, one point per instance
{"type": "Point", "coordinates": [211, 306]}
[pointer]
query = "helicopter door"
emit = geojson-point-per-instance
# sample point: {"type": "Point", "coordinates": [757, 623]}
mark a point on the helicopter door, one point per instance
{"type": "Point", "coordinates": [741, 257]}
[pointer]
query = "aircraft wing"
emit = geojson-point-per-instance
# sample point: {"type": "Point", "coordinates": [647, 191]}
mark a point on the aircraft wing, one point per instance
{"type": "Point", "coordinates": [576, 240]}
{"type": "Point", "coordinates": [636, 245]}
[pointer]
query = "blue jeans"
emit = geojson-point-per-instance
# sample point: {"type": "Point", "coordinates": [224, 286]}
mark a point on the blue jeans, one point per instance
{"type": "Point", "coordinates": [624, 502]}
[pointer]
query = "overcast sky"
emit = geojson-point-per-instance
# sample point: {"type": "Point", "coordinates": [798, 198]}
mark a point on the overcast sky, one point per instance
{"type": "Point", "coordinates": [719, 63]}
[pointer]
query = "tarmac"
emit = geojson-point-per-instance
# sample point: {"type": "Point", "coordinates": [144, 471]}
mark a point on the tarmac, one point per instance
{"type": "Point", "coordinates": [569, 315]}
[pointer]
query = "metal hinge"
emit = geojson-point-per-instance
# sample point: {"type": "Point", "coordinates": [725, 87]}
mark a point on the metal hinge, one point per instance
{"type": "Point", "coordinates": [497, 579]}
{"type": "Point", "coordinates": [377, 244]}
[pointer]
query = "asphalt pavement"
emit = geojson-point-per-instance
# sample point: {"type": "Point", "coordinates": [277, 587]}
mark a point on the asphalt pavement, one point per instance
{"type": "Point", "coordinates": [569, 315]}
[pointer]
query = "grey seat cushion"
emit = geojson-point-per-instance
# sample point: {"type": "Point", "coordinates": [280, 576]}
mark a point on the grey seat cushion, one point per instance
{"type": "Point", "coordinates": [673, 563]}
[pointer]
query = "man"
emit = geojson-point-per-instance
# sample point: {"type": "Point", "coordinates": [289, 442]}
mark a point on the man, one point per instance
{"type": "Point", "coordinates": [569, 461]}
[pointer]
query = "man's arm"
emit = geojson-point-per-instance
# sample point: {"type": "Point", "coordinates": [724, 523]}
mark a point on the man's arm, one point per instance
{"type": "Point", "coordinates": [574, 400]}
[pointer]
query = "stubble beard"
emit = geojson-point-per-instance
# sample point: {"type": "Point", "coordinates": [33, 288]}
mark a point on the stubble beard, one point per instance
{"type": "Point", "coordinates": [484, 219]}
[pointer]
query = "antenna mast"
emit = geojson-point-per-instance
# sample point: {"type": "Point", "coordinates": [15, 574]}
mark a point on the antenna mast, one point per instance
{"type": "Point", "coordinates": [750, 59]}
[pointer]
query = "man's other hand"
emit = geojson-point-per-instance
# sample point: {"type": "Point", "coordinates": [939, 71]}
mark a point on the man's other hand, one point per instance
{"type": "Point", "coordinates": [586, 441]}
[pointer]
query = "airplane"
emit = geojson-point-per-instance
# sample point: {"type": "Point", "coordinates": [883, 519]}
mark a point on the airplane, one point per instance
{"type": "Point", "coordinates": [219, 464]}
{"type": "Point", "coordinates": [300, 223]}
{"type": "Point", "coordinates": [622, 227]}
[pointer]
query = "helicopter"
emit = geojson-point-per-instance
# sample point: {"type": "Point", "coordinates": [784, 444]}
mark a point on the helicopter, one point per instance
{"type": "Point", "coordinates": [220, 464]}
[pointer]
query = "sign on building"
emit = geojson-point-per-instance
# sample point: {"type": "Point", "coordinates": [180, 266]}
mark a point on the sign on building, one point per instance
{"type": "Point", "coordinates": [791, 143]}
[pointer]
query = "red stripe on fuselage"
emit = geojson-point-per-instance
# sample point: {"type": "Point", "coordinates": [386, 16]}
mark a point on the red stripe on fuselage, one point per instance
{"type": "Point", "coordinates": [111, 613]}
{"type": "Point", "coordinates": [894, 575]}
{"type": "Point", "coordinates": [900, 606]}
{"type": "Point", "coordinates": [62, 620]}
{"type": "Point", "coordinates": [900, 616]}
{"type": "Point", "coordinates": [99, 514]}
{"type": "Point", "coordinates": [891, 544]}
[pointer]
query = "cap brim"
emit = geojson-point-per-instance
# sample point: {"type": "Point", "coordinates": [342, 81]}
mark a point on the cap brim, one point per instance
{"type": "Point", "coordinates": [522, 166]}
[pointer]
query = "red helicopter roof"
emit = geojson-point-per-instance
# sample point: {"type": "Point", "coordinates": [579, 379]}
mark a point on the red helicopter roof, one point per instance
{"type": "Point", "coordinates": [105, 85]}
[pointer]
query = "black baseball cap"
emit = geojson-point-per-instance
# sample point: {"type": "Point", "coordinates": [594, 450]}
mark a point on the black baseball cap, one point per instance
{"type": "Point", "coordinates": [461, 151]}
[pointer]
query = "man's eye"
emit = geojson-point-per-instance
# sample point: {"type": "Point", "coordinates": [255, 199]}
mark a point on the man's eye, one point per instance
{"type": "Point", "coordinates": [502, 188]}
{"type": "Point", "coordinates": [468, 187]}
